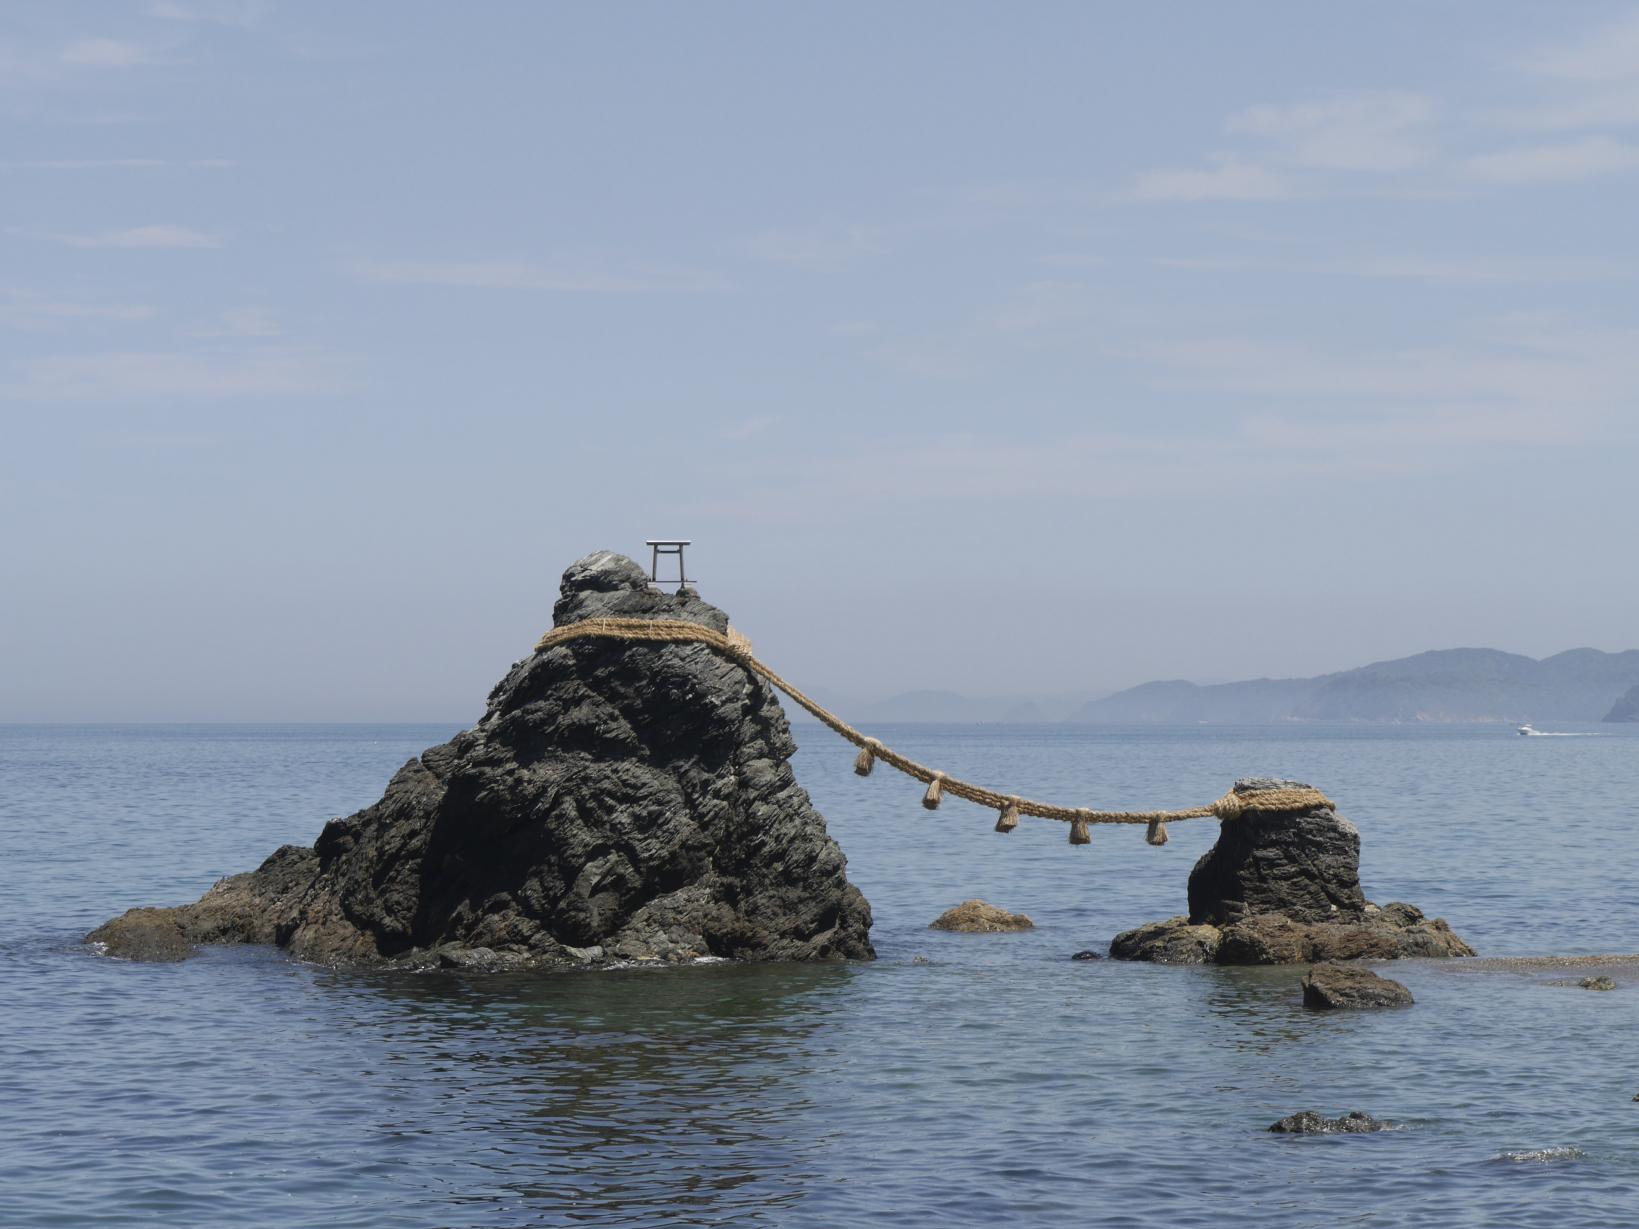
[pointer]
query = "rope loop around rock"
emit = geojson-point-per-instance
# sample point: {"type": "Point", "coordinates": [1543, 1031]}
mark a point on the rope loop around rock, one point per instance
{"type": "Point", "coordinates": [738, 648]}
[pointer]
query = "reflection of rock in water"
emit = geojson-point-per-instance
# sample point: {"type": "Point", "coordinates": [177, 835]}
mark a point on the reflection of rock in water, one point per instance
{"type": "Point", "coordinates": [641, 1092]}
{"type": "Point", "coordinates": [1284, 888]}
{"type": "Point", "coordinates": [617, 801]}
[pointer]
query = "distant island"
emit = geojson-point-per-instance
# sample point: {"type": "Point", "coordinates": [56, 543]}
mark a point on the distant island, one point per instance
{"type": "Point", "coordinates": [1627, 708]}
{"type": "Point", "coordinates": [1445, 685]}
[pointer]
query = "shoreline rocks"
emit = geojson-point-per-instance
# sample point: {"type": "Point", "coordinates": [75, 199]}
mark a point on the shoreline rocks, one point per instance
{"type": "Point", "coordinates": [1284, 888]}
{"type": "Point", "coordinates": [618, 801]}
{"type": "Point", "coordinates": [977, 917]}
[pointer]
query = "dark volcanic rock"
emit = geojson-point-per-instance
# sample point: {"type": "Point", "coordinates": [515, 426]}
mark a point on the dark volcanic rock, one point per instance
{"type": "Point", "coordinates": [617, 801]}
{"type": "Point", "coordinates": [1284, 888]}
{"type": "Point", "coordinates": [976, 917]}
{"type": "Point", "coordinates": [1332, 987]}
{"type": "Point", "coordinates": [1310, 1123]}
{"type": "Point", "coordinates": [1305, 866]}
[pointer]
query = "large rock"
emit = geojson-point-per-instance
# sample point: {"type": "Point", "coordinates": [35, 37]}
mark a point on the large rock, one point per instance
{"type": "Point", "coordinates": [1284, 888]}
{"type": "Point", "coordinates": [1304, 865]}
{"type": "Point", "coordinates": [617, 801]}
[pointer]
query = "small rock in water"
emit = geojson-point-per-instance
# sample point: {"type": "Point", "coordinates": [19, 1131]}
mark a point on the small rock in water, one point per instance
{"type": "Point", "coordinates": [920, 960]}
{"type": "Point", "coordinates": [1310, 1123]}
{"type": "Point", "coordinates": [1089, 954]}
{"type": "Point", "coordinates": [1597, 983]}
{"type": "Point", "coordinates": [975, 917]}
{"type": "Point", "coordinates": [150, 935]}
{"type": "Point", "coordinates": [1540, 1155]}
{"type": "Point", "coordinates": [1330, 987]}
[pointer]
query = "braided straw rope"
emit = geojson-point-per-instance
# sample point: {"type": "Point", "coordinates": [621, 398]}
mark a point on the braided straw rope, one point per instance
{"type": "Point", "coordinates": [736, 646]}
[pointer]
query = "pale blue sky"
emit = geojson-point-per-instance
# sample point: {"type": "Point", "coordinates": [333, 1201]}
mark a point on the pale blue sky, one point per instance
{"type": "Point", "coordinates": [1014, 349]}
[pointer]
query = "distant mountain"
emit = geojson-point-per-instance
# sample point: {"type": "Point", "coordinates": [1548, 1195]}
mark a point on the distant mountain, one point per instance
{"type": "Point", "coordinates": [1627, 708]}
{"type": "Point", "coordinates": [1444, 685]}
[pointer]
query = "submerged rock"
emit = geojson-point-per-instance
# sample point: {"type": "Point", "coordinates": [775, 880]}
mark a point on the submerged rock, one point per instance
{"type": "Point", "coordinates": [1307, 1122]}
{"type": "Point", "coordinates": [1333, 987]}
{"type": "Point", "coordinates": [1586, 983]}
{"type": "Point", "coordinates": [618, 801]}
{"type": "Point", "coordinates": [976, 917]}
{"type": "Point", "coordinates": [1284, 888]}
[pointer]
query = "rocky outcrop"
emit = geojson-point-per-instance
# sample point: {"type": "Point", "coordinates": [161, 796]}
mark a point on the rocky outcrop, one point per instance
{"type": "Point", "coordinates": [618, 801]}
{"type": "Point", "coordinates": [1627, 707]}
{"type": "Point", "coordinates": [1307, 1122]}
{"type": "Point", "coordinates": [976, 917]}
{"type": "Point", "coordinates": [1338, 987]}
{"type": "Point", "coordinates": [1284, 888]}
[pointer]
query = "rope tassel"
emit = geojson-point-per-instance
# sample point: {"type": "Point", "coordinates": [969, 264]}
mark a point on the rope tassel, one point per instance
{"type": "Point", "coordinates": [1079, 835]}
{"type": "Point", "coordinates": [1009, 818]}
{"type": "Point", "coordinates": [1157, 833]}
{"type": "Point", "coordinates": [866, 759]}
{"type": "Point", "coordinates": [936, 791]}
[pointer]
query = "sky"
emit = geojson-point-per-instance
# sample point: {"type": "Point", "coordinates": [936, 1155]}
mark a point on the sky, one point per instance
{"type": "Point", "coordinates": [1015, 350]}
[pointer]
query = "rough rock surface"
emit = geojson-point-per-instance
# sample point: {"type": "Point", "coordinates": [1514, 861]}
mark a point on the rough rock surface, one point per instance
{"type": "Point", "coordinates": [617, 801]}
{"type": "Point", "coordinates": [1307, 1122]}
{"type": "Point", "coordinates": [976, 917]}
{"type": "Point", "coordinates": [1586, 983]}
{"type": "Point", "coordinates": [1284, 888]}
{"type": "Point", "coordinates": [1334, 987]}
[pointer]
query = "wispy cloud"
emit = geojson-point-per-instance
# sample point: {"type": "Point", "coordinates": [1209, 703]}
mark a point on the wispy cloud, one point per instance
{"type": "Point", "coordinates": [1610, 53]}
{"type": "Point", "coordinates": [102, 164]}
{"type": "Point", "coordinates": [1383, 132]}
{"type": "Point", "coordinates": [750, 428]}
{"type": "Point", "coordinates": [1229, 179]}
{"type": "Point", "coordinates": [240, 322]}
{"type": "Point", "coordinates": [180, 375]}
{"type": "Point", "coordinates": [242, 13]}
{"type": "Point", "coordinates": [1435, 270]}
{"type": "Point", "coordinates": [817, 248]}
{"type": "Point", "coordinates": [1588, 158]}
{"type": "Point", "coordinates": [23, 309]}
{"type": "Point", "coordinates": [586, 278]}
{"type": "Point", "coordinates": [157, 236]}
{"type": "Point", "coordinates": [1592, 81]}
{"type": "Point", "coordinates": [103, 53]}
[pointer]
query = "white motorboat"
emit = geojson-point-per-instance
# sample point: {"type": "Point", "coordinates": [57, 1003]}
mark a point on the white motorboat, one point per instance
{"type": "Point", "coordinates": [1526, 729]}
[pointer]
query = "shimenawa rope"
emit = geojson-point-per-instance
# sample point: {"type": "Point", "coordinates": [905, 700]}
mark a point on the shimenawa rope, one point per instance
{"type": "Point", "coordinates": [1008, 806]}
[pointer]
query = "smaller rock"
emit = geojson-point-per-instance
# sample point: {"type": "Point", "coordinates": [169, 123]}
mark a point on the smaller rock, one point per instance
{"type": "Point", "coordinates": [975, 917]}
{"type": "Point", "coordinates": [920, 960]}
{"type": "Point", "coordinates": [1089, 954]}
{"type": "Point", "coordinates": [151, 935]}
{"type": "Point", "coordinates": [1330, 987]}
{"type": "Point", "coordinates": [1174, 941]}
{"type": "Point", "coordinates": [1310, 1123]}
{"type": "Point", "coordinates": [1597, 983]}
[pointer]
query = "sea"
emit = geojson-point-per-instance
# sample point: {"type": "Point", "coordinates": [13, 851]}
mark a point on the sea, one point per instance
{"type": "Point", "coordinates": [956, 1080]}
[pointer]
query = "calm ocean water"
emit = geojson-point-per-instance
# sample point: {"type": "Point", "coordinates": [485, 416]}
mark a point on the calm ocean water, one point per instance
{"type": "Point", "coordinates": [999, 1084]}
